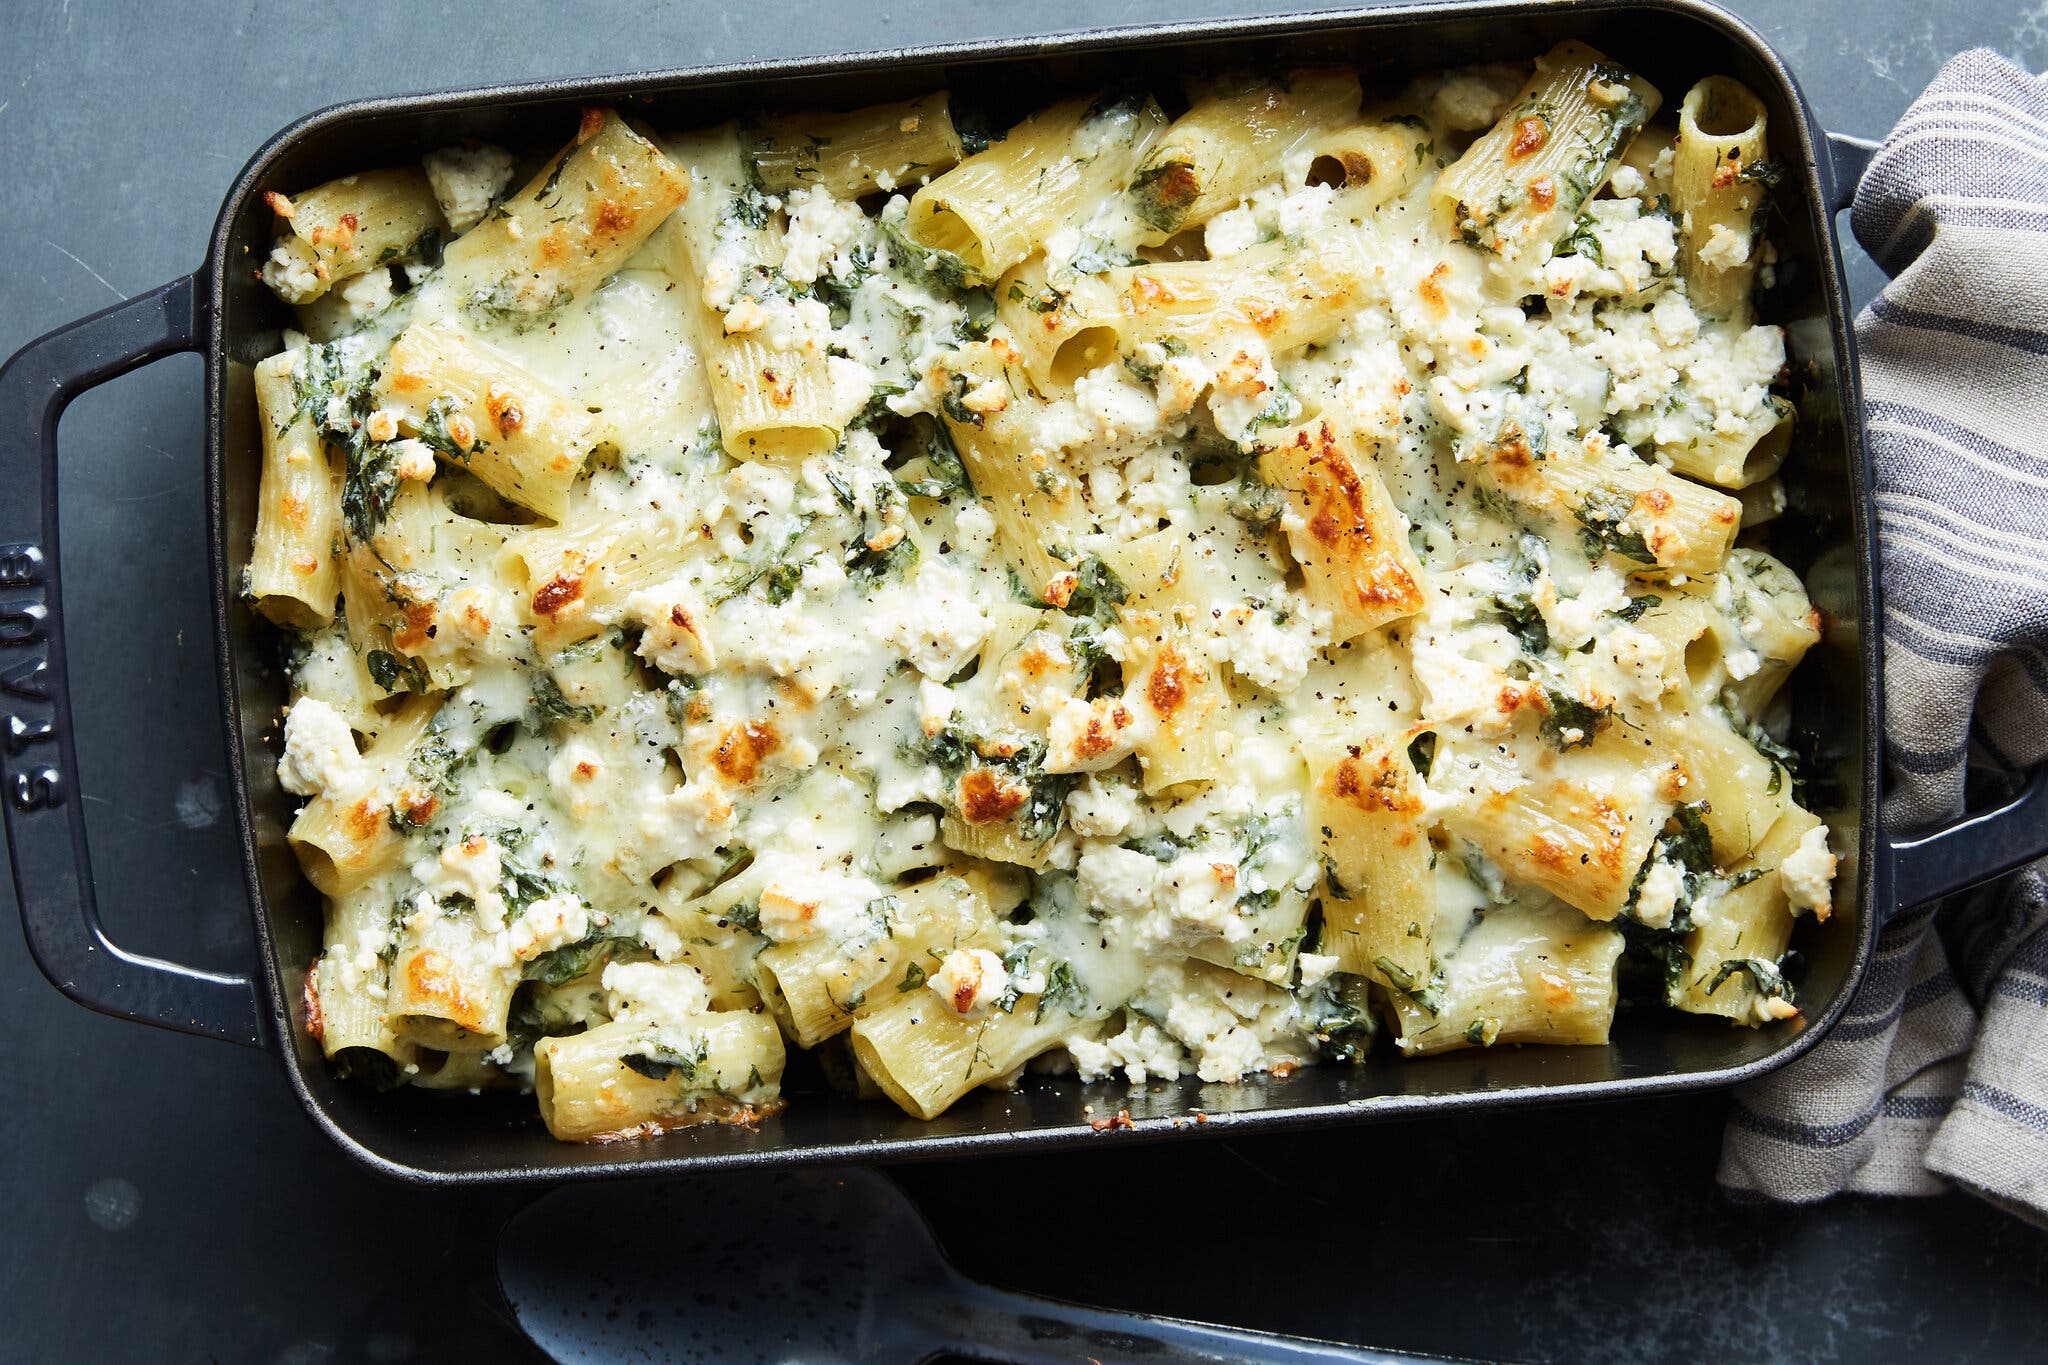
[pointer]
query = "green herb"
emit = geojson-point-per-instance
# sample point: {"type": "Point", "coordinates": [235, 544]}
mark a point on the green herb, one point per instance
{"type": "Point", "coordinates": [396, 672]}
{"type": "Point", "coordinates": [954, 401]}
{"type": "Point", "coordinates": [1763, 973]}
{"type": "Point", "coordinates": [547, 698]}
{"type": "Point", "coordinates": [1098, 592]}
{"type": "Point", "coordinates": [746, 915]}
{"type": "Point", "coordinates": [939, 271]}
{"type": "Point", "coordinates": [1422, 751]}
{"type": "Point", "coordinates": [1633, 612]}
{"type": "Point", "coordinates": [913, 976]}
{"type": "Point", "coordinates": [560, 966]}
{"type": "Point", "coordinates": [1338, 1019]}
{"type": "Point", "coordinates": [661, 1063]}
{"type": "Point", "coordinates": [1604, 527]}
{"type": "Point", "coordinates": [1164, 192]}
{"type": "Point", "coordinates": [934, 468]}
{"type": "Point", "coordinates": [751, 207]}
{"type": "Point", "coordinates": [1046, 300]}
{"type": "Point", "coordinates": [1584, 241]}
{"type": "Point", "coordinates": [837, 292]}
{"type": "Point", "coordinates": [877, 408]}
{"type": "Point", "coordinates": [1762, 172]}
{"type": "Point", "coordinates": [1062, 989]}
{"type": "Point", "coordinates": [977, 315]}
{"type": "Point", "coordinates": [1482, 1032]}
{"type": "Point", "coordinates": [1565, 716]}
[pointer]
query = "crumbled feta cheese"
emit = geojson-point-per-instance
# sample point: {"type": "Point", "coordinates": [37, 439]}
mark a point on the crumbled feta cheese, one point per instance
{"type": "Point", "coordinates": [1230, 232]}
{"type": "Point", "coordinates": [467, 181]}
{"type": "Point", "coordinates": [1657, 898]}
{"type": "Point", "coordinates": [974, 528]}
{"type": "Point", "coordinates": [319, 751]}
{"type": "Point", "coordinates": [1101, 810]}
{"type": "Point", "coordinates": [969, 979]}
{"type": "Point", "coordinates": [1808, 873]}
{"type": "Point", "coordinates": [664, 994]}
{"type": "Point", "coordinates": [1265, 649]}
{"type": "Point", "coordinates": [1245, 390]}
{"type": "Point", "coordinates": [413, 460]}
{"type": "Point", "coordinates": [1724, 248]}
{"type": "Point", "coordinates": [1119, 880]}
{"type": "Point", "coordinates": [1316, 968]}
{"type": "Point", "coordinates": [1574, 620]}
{"type": "Point", "coordinates": [799, 901]}
{"type": "Point", "coordinates": [293, 272]}
{"type": "Point", "coordinates": [1120, 409]}
{"type": "Point", "coordinates": [820, 227]}
{"type": "Point", "coordinates": [674, 639]}
{"type": "Point", "coordinates": [471, 866]}
{"type": "Point", "coordinates": [1639, 657]}
{"type": "Point", "coordinates": [1201, 891]}
{"type": "Point", "coordinates": [1089, 736]}
{"type": "Point", "coordinates": [367, 294]}
{"type": "Point", "coordinates": [548, 924]}
{"type": "Point", "coordinates": [1142, 1051]}
{"type": "Point", "coordinates": [933, 621]}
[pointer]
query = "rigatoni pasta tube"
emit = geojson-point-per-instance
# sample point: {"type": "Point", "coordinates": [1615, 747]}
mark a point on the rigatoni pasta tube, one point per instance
{"type": "Point", "coordinates": [573, 224]}
{"type": "Point", "coordinates": [293, 578]}
{"type": "Point", "coordinates": [1579, 827]}
{"type": "Point", "coordinates": [1518, 188]}
{"type": "Point", "coordinates": [1750, 453]}
{"type": "Point", "coordinates": [1180, 692]}
{"type": "Point", "coordinates": [347, 226]}
{"type": "Point", "coordinates": [1370, 163]}
{"type": "Point", "coordinates": [1717, 185]}
{"type": "Point", "coordinates": [1751, 923]}
{"type": "Point", "coordinates": [449, 988]}
{"type": "Point", "coordinates": [998, 206]}
{"type": "Point", "coordinates": [1062, 330]}
{"type": "Point", "coordinates": [500, 422]}
{"type": "Point", "coordinates": [774, 397]}
{"type": "Point", "coordinates": [996, 427]}
{"type": "Point", "coordinates": [624, 1080]}
{"type": "Point", "coordinates": [1379, 900]}
{"type": "Point", "coordinates": [1519, 976]}
{"type": "Point", "coordinates": [1744, 792]}
{"type": "Point", "coordinates": [877, 148]}
{"type": "Point", "coordinates": [925, 1056]}
{"type": "Point", "coordinates": [816, 985]}
{"type": "Point", "coordinates": [1626, 510]}
{"type": "Point", "coordinates": [344, 837]}
{"type": "Point", "coordinates": [1231, 141]}
{"type": "Point", "coordinates": [1282, 295]}
{"type": "Point", "coordinates": [1343, 528]}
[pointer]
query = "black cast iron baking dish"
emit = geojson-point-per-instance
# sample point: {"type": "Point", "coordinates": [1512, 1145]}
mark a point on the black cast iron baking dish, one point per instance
{"type": "Point", "coordinates": [221, 311]}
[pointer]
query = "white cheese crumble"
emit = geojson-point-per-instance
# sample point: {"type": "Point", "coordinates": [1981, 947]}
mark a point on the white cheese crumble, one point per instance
{"type": "Point", "coordinates": [1657, 899]}
{"type": "Point", "coordinates": [663, 994]}
{"type": "Point", "coordinates": [319, 751]}
{"type": "Point", "coordinates": [969, 979]}
{"type": "Point", "coordinates": [1808, 873]}
{"type": "Point", "coordinates": [467, 181]}
{"type": "Point", "coordinates": [549, 923]}
{"type": "Point", "coordinates": [800, 901]}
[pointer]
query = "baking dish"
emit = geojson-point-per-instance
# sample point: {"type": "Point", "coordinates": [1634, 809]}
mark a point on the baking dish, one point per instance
{"type": "Point", "coordinates": [221, 311]}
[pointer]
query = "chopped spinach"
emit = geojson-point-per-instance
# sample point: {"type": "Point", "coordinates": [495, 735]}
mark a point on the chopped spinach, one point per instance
{"type": "Point", "coordinates": [1569, 723]}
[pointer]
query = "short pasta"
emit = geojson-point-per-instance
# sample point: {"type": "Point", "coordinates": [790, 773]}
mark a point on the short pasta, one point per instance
{"type": "Point", "coordinates": [1176, 588]}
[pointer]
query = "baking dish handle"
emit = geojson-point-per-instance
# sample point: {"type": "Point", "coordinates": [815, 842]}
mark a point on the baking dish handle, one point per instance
{"type": "Point", "coordinates": [1848, 157]}
{"type": "Point", "coordinates": [45, 822]}
{"type": "Point", "coordinates": [1936, 863]}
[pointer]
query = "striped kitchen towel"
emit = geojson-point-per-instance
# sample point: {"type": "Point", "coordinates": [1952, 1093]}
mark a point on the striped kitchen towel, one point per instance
{"type": "Point", "coordinates": [1938, 1073]}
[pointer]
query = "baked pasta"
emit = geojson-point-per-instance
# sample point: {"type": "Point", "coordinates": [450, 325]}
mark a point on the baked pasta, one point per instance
{"type": "Point", "coordinates": [1182, 587]}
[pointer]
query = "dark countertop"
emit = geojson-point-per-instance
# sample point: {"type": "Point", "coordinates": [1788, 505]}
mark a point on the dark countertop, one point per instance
{"type": "Point", "coordinates": [167, 1201]}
